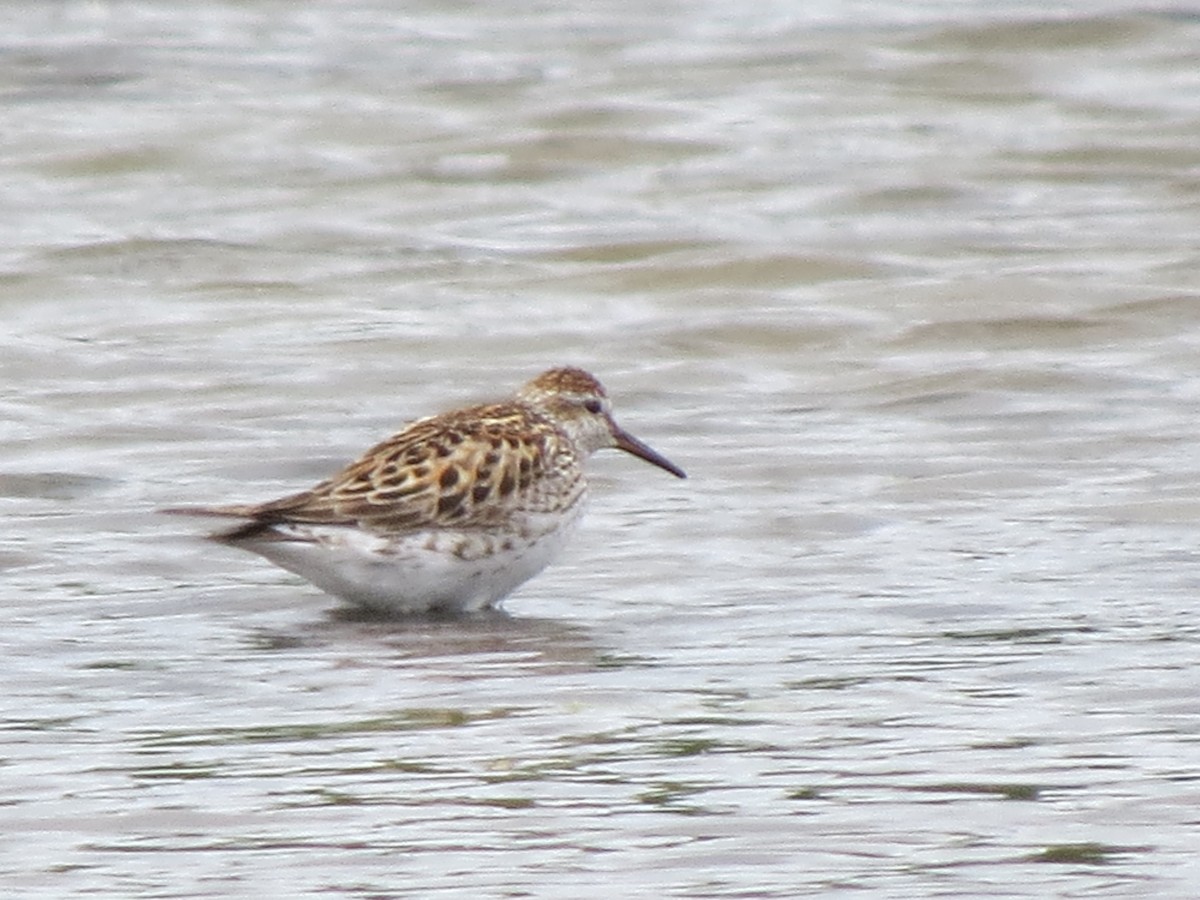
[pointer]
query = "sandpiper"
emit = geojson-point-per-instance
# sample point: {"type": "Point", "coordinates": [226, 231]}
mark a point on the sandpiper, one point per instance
{"type": "Point", "coordinates": [452, 513]}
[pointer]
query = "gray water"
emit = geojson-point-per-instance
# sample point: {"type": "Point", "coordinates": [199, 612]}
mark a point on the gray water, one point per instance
{"type": "Point", "coordinates": [908, 288]}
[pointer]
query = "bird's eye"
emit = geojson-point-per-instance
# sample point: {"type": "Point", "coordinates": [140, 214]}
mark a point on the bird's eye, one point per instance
{"type": "Point", "coordinates": [592, 406]}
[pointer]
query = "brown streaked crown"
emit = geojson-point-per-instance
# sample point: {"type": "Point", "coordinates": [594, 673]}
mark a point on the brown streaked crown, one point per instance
{"type": "Point", "coordinates": [562, 382]}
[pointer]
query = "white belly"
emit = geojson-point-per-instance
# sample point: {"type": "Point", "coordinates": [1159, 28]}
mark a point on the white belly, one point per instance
{"type": "Point", "coordinates": [443, 571]}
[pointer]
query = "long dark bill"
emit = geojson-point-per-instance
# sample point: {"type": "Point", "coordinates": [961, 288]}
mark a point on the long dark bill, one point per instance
{"type": "Point", "coordinates": [627, 442]}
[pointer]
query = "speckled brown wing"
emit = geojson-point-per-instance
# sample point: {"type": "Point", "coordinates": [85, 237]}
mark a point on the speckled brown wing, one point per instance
{"type": "Point", "coordinates": [466, 469]}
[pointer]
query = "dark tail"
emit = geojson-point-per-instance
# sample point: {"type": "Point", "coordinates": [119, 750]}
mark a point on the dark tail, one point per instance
{"type": "Point", "coordinates": [255, 527]}
{"type": "Point", "coordinates": [228, 512]}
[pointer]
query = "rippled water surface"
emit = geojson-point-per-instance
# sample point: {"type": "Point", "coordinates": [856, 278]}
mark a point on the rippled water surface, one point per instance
{"type": "Point", "coordinates": [907, 288]}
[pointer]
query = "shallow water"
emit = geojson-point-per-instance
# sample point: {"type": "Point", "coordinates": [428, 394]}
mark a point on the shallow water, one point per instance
{"type": "Point", "coordinates": [908, 289]}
